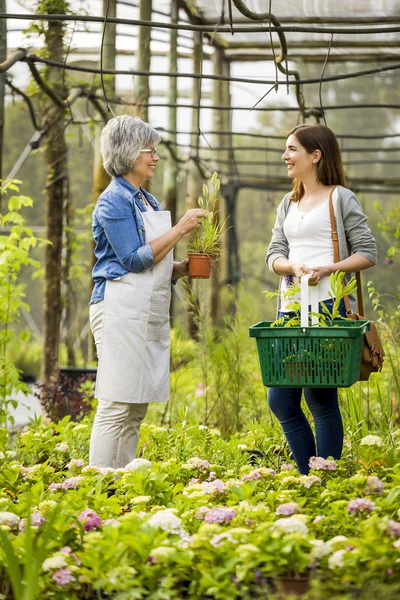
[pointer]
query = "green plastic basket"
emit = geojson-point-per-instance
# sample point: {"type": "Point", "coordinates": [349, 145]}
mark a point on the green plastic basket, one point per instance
{"type": "Point", "coordinates": [310, 356]}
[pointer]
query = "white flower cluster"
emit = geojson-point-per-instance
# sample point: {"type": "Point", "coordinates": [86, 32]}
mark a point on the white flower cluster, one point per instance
{"type": "Point", "coordinates": [9, 519]}
{"type": "Point", "coordinates": [166, 520]}
{"type": "Point", "coordinates": [290, 525]}
{"type": "Point", "coordinates": [372, 440]}
{"type": "Point", "coordinates": [136, 463]}
{"type": "Point", "coordinates": [54, 563]}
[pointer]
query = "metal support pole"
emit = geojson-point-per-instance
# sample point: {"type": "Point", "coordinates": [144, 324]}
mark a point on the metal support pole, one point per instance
{"type": "Point", "coordinates": [3, 56]}
{"type": "Point", "coordinates": [171, 167]}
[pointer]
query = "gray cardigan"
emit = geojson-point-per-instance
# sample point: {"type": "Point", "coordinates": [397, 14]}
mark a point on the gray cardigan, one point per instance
{"type": "Point", "coordinates": [351, 223]}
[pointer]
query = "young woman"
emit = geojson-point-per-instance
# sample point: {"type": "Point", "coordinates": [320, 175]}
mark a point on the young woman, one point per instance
{"type": "Point", "coordinates": [302, 244]}
{"type": "Point", "coordinates": [129, 311]}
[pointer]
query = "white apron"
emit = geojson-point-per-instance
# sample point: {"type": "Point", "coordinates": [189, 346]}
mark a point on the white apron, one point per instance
{"type": "Point", "coordinates": [135, 344]}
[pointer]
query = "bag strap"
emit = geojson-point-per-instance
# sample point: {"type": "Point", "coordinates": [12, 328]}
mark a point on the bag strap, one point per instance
{"type": "Point", "coordinates": [336, 258]}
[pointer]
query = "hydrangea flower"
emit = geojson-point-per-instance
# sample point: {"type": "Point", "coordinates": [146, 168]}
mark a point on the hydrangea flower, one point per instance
{"type": "Point", "coordinates": [90, 519]}
{"type": "Point", "coordinates": [290, 525]}
{"type": "Point", "coordinates": [319, 518]}
{"type": "Point", "coordinates": [336, 560]}
{"type": "Point", "coordinates": [393, 528]}
{"type": "Point", "coordinates": [199, 393]}
{"type": "Point", "coordinates": [75, 463]}
{"type": "Point", "coordinates": [138, 462]}
{"type": "Point", "coordinates": [197, 463]}
{"type": "Point", "coordinates": [288, 509]}
{"type": "Point", "coordinates": [308, 480]}
{"type": "Point", "coordinates": [259, 473]}
{"type": "Point", "coordinates": [141, 500]}
{"type": "Point", "coordinates": [359, 504]}
{"type": "Point", "coordinates": [9, 519]}
{"type": "Point", "coordinates": [162, 553]}
{"type": "Point", "coordinates": [72, 482]}
{"type": "Point", "coordinates": [242, 446]}
{"type": "Point", "coordinates": [112, 523]}
{"type": "Point", "coordinates": [214, 487]}
{"type": "Point", "coordinates": [201, 513]}
{"type": "Point", "coordinates": [374, 485]}
{"type": "Point", "coordinates": [287, 467]}
{"type": "Point", "coordinates": [63, 577]}
{"type": "Point", "coordinates": [54, 563]}
{"type": "Point", "coordinates": [37, 519]}
{"type": "Point", "coordinates": [220, 514]}
{"type": "Point", "coordinates": [61, 447]}
{"type": "Point", "coordinates": [319, 549]}
{"type": "Point", "coordinates": [322, 464]}
{"type": "Point", "coordinates": [338, 539]}
{"type": "Point", "coordinates": [371, 440]}
{"type": "Point", "coordinates": [218, 539]}
{"type": "Point", "coordinates": [166, 520]}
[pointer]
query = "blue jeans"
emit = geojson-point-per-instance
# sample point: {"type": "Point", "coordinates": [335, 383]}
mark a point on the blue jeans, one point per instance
{"type": "Point", "coordinates": [323, 403]}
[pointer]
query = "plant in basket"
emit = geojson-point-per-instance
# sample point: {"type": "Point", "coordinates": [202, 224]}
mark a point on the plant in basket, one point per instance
{"type": "Point", "coordinates": [205, 246]}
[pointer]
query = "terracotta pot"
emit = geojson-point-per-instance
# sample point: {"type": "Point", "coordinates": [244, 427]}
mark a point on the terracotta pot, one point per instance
{"type": "Point", "coordinates": [300, 584]}
{"type": "Point", "coordinates": [199, 266]}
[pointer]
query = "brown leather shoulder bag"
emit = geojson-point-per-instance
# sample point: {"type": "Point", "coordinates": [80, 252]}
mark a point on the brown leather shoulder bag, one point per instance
{"type": "Point", "coordinates": [372, 352]}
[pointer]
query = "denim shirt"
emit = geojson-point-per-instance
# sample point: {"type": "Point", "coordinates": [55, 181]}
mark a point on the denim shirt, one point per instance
{"type": "Point", "coordinates": [119, 235]}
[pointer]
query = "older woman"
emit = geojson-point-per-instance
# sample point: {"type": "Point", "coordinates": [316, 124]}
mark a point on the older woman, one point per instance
{"type": "Point", "coordinates": [129, 308]}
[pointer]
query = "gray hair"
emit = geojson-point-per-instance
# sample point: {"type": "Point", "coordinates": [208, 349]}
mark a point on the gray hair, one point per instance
{"type": "Point", "coordinates": [121, 141]}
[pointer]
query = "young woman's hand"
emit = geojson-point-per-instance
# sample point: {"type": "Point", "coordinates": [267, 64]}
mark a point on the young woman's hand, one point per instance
{"type": "Point", "coordinates": [191, 220]}
{"type": "Point", "coordinates": [318, 274]}
{"type": "Point", "coordinates": [299, 270]}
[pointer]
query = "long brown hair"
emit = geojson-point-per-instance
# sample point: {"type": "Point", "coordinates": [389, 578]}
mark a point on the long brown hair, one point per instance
{"type": "Point", "coordinates": [329, 167]}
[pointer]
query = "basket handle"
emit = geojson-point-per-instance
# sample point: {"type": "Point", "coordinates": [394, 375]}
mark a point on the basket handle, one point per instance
{"type": "Point", "coordinates": [304, 290]}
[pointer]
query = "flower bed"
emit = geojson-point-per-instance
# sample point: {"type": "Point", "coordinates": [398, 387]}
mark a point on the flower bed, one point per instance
{"type": "Point", "coordinates": [204, 524]}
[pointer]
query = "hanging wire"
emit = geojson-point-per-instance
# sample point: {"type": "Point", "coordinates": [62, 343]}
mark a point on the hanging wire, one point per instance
{"type": "Point", "coordinates": [322, 76]}
{"type": "Point", "coordinates": [101, 59]}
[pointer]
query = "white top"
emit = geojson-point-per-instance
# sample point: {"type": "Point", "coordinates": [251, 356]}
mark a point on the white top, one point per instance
{"type": "Point", "coordinates": [309, 236]}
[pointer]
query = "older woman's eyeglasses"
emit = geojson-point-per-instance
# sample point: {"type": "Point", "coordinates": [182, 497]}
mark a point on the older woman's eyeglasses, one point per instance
{"type": "Point", "coordinates": [152, 151]}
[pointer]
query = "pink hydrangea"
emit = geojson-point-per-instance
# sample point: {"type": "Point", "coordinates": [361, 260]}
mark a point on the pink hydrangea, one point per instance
{"type": "Point", "coordinates": [360, 504]}
{"type": "Point", "coordinates": [63, 577]}
{"type": "Point", "coordinates": [90, 519]}
{"type": "Point", "coordinates": [72, 482]}
{"type": "Point", "coordinates": [288, 509]}
{"type": "Point", "coordinates": [374, 485]}
{"type": "Point", "coordinates": [322, 464]}
{"type": "Point", "coordinates": [393, 528]}
{"type": "Point", "coordinates": [75, 462]}
{"type": "Point", "coordinates": [309, 480]}
{"type": "Point", "coordinates": [214, 487]}
{"type": "Point", "coordinates": [287, 467]}
{"type": "Point", "coordinates": [319, 518]}
{"type": "Point", "coordinates": [253, 475]}
{"type": "Point", "coordinates": [55, 486]}
{"type": "Point", "coordinates": [201, 513]}
{"type": "Point", "coordinates": [220, 514]}
{"type": "Point", "coordinates": [37, 519]}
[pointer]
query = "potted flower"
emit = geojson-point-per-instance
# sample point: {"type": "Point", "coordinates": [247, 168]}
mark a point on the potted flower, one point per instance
{"type": "Point", "coordinates": [205, 245]}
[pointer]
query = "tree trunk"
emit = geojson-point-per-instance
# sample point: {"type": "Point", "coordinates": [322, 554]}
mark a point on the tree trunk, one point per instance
{"type": "Point", "coordinates": [56, 161]}
{"type": "Point", "coordinates": [142, 88]}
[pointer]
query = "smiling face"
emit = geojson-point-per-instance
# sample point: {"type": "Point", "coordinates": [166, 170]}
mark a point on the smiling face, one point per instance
{"type": "Point", "coordinates": [144, 166]}
{"type": "Point", "coordinates": [300, 163]}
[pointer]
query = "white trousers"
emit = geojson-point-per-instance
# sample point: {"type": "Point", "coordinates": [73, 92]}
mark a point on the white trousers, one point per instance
{"type": "Point", "coordinates": [116, 425]}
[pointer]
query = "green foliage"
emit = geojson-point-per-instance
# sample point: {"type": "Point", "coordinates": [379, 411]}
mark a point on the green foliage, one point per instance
{"type": "Point", "coordinates": [15, 252]}
{"type": "Point", "coordinates": [339, 289]}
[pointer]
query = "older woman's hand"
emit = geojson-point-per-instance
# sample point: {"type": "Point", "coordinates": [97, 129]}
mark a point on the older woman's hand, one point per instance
{"type": "Point", "coordinates": [181, 269]}
{"type": "Point", "coordinates": [191, 220]}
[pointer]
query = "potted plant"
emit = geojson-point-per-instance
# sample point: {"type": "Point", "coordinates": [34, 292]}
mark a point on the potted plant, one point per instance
{"type": "Point", "coordinates": [205, 245]}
